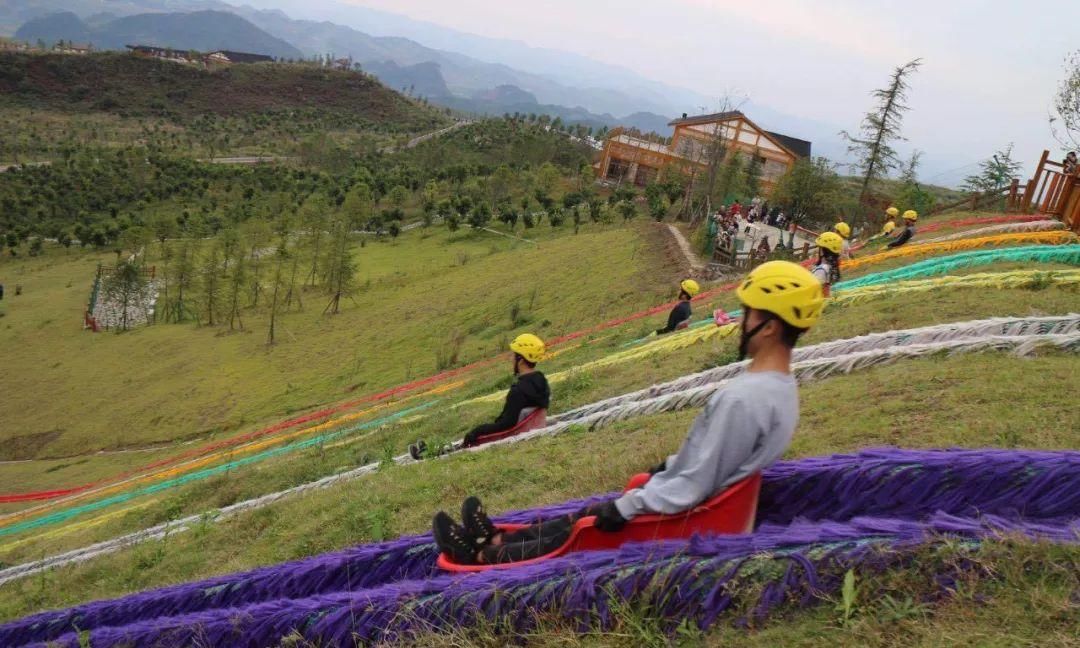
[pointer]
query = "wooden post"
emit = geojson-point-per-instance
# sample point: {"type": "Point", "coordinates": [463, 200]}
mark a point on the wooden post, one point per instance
{"type": "Point", "coordinates": [1033, 184]}
{"type": "Point", "coordinates": [1014, 187]}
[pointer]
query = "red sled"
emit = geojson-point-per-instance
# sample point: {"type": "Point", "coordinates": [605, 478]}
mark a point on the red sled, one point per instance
{"type": "Point", "coordinates": [732, 511]}
{"type": "Point", "coordinates": [531, 418]}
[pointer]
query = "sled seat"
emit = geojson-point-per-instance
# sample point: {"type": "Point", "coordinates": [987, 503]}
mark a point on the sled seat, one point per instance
{"type": "Point", "coordinates": [531, 418]}
{"type": "Point", "coordinates": [731, 511]}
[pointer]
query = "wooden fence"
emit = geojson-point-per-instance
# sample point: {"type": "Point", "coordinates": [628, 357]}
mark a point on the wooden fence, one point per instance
{"type": "Point", "coordinates": [748, 259]}
{"type": "Point", "coordinates": [1051, 191]}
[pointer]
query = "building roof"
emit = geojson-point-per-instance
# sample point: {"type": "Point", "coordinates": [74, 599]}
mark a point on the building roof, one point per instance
{"type": "Point", "coordinates": [243, 57]}
{"type": "Point", "coordinates": [705, 119]}
{"type": "Point", "coordinates": [795, 145]}
{"type": "Point", "coordinates": [799, 147]}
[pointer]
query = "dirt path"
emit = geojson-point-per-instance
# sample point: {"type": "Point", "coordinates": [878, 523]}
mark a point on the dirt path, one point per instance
{"type": "Point", "coordinates": [419, 139]}
{"type": "Point", "coordinates": [692, 259]}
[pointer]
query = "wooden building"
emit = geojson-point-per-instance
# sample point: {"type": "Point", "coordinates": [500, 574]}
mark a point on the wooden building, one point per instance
{"type": "Point", "coordinates": [626, 158]}
{"type": "Point", "coordinates": [228, 56]}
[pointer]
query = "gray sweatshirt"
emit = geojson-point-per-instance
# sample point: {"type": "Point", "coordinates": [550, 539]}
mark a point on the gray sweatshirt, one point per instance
{"type": "Point", "coordinates": [745, 427]}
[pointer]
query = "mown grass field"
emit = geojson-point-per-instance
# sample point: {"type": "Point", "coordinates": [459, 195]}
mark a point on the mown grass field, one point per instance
{"type": "Point", "coordinates": [975, 401]}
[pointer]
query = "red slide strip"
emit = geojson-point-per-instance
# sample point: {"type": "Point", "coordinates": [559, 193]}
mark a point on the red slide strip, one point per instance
{"type": "Point", "coordinates": [317, 415]}
{"type": "Point", "coordinates": [326, 412]}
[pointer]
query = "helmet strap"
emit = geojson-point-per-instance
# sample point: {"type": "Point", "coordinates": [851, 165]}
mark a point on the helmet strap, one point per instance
{"type": "Point", "coordinates": [744, 340]}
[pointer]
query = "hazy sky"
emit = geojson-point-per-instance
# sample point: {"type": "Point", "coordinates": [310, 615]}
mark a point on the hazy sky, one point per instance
{"type": "Point", "coordinates": [989, 71]}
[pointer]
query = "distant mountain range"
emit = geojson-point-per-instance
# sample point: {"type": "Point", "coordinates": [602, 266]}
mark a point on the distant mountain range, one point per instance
{"type": "Point", "coordinates": [445, 78]}
{"type": "Point", "coordinates": [201, 30]}
{"type": "Point", "coordinates": [451, 68]}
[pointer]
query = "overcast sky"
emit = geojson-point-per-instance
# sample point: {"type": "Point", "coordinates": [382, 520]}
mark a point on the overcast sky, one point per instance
{"type": "Point", "coordinates": [989, 70]}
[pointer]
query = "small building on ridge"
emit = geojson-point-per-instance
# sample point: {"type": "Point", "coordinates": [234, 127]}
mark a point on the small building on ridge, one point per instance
{"type": "Point", "coordinates": [626, 158]}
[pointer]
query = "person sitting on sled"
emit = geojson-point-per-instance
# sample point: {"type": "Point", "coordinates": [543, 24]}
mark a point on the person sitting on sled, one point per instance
{"type": "Point", "coordinates": [826, 268]}
{"type": "Point", "coordinates": [844, 230]}
{"type": "Point", "coordinates": [688, 288]}
{"type": "Point", "coordinates": [910, 217]}
{"type": "Point", "coordinates": [744, 428]}
{"type": "Point", "coordinates": [530, 390]}
{"type": "Point", "coordinates": [889, 227]}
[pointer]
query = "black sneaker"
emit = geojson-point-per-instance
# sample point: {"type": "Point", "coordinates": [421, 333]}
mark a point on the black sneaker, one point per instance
{"type": "Point", "coordinates": [417, 450]}
{"type": "Point", "coordinates": [452, 540]}
{"type": "Point", "coordinates": [477, 524]}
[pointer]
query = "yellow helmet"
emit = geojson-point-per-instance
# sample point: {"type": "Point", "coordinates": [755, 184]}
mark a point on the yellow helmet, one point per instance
{"type": "Point", "coordinates": [889, 227]}
{"type": "Point", "coordinates": [843, 229]}
{"type": "Point", "coordinates": [528, 346]}
{"type": "Point", "coordinates": [690, 287]}
{"type": "Point", "coordinates": [892, 211]}
{"type": "Point", "coordinates": [831, 241]}
{"type": "Point", "coordinates": [911, 215]}
{"type": "Point", "coordinates": [786, 290]}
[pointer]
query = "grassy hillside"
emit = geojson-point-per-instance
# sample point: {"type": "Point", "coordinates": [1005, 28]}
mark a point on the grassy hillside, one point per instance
{"type": "Point", "coordinates": [198, 30]}
{"type": "Point", "coordinates": [493, 142]}
{"type": "Point", "coordinates": [935, 402]}
{"type": "Point", "coordinates": [419, 294]}
{"type": "Point", "coordinates": [135, 86]}
{"type": "Point", "coordinates": [429, 299]}
{"type": "Point", "coordinates": [891, 187]}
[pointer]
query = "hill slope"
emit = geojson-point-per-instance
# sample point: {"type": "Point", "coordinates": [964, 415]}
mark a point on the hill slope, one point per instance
{"type": "Point", "coordinates": [136, 86]}
{"type": "Point", "coordinates": [199, 30]}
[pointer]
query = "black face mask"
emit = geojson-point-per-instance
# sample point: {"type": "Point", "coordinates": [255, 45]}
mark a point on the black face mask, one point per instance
{"type": "Point", "coordinates": [744, 340]}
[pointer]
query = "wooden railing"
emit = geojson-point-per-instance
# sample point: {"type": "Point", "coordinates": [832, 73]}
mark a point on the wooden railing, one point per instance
{"type": "Point", "coordinates": [748, 259]}
{"type": "Point", "coordinates": [1051, 191]}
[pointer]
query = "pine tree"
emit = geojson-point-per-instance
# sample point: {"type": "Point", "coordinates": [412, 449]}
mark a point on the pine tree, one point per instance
{"type": "Point", "coordinates": [729, 184]}
{"type": "Point", "coordinates": [184, 273]}
{"type": "Point", "coordinates": [293, 292]}
{"type": "Point", "coordinates": [230, 247]}
{"type": "Point", "coordinates": [257, 235]}
{"type": "Point", "coordinates": [357, 205]}
{"type": "Point", "coordinates": [994, 173]}
{"type": "Point", "coordinates": [211, 282]}
{"type": "Point", "coordinates": [752, 175]}
{"type": "Point", "coordinates": [123, 286]}
{"type": "Point", "coordinates": [880, 127]}
{"type": "Point", "coordinates": [281, 254]}
{"type": "Point", "coordinates": [911, 195]}
{"type": "Point", "coordinates": [341, 271]}
{"type": "Point", "coordinates": [313, 216]}
{"type": "Point", "coordinates": [237, 281]}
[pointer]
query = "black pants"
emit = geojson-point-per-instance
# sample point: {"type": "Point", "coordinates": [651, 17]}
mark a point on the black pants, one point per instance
{"type": "Point", "coordinates": [535, 540]}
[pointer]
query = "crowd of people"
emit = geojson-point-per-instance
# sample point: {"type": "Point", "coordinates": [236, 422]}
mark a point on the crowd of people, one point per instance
{"type": "Point", "coordinates": [731, 220]}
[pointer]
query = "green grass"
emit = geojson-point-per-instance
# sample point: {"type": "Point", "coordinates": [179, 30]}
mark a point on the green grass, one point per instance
{"type": "Point", "coordinates": [401, 499]}
{"type": "Point", "coordinates": [1009, 593]}
{"type": "Point", "coordinates": [181, 382]}
{"type": "Point", "coordinates": [973, 400]}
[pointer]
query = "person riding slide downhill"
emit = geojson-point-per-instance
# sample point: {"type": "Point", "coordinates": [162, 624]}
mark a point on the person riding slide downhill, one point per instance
{"type": "Point", "coordinates": [688, 289]}
{"type": "Point", "coordinates": [844, 230]}
{"type": "Point", "coordinates": [744, 428]}
{"type": "Point", "coordinates": [910, 217]}
{"type": "Point", "coordinates": [530, 389]}
{"type": "Point", "coordinates": [827, 268]}
{"type": "Point", "coordinates": [890, 225]}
